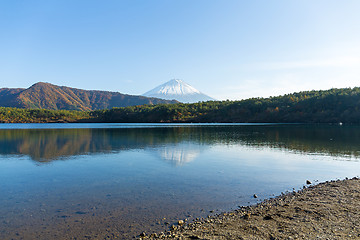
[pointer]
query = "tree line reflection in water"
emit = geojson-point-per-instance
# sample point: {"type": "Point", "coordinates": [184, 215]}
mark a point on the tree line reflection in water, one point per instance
{"type": "Point", "coordinates": [178, 145]}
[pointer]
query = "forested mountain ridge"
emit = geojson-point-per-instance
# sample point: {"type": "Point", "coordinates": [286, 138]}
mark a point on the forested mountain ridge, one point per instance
{"type": "Point", "coordinates": [48, 96]}
{"type": "Point", "coordinates": [325, 106]}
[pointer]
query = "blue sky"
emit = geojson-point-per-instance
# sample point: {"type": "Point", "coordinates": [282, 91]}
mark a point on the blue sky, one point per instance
{"type": "Point", "coordinates": [226, 49]}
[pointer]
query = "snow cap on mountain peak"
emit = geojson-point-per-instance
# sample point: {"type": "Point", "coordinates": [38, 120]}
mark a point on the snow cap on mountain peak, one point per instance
{"type": "Point", "coordinates": [176, 86]}
{"type": "Point", "coordinates": [178, 90]}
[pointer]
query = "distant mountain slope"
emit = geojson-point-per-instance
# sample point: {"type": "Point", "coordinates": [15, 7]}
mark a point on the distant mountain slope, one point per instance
{"type": "Point", "coordinates": [7, 96]}
{"type": "Point", "coordinates": [178, 90]}
{"type": "Point", "coordinates": [48, 96]}
{"type": "Point", "coordinates": [340, 106]}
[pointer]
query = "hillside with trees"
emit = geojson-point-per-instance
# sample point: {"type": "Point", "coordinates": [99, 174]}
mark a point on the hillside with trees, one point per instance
{"type": "Point", "coordinates": [330, 106]}
{"type": "Point", "coordinates": [18, 115]}
{"type": "Point", "coordinates": [48, 96]}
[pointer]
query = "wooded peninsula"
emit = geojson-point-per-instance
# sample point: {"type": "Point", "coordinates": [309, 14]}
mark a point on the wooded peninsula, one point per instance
{"type": "Point", "coordinates": [329, 106]}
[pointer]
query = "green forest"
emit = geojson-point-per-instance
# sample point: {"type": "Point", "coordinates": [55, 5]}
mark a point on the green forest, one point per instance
{"type": "Point", "coordinates": [19, 115]}
{"type": "Point", "coordinates": [330, 106]}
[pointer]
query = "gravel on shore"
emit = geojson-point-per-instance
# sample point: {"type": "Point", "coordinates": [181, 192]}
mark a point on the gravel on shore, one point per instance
{"type": "Point", "coordinates": [329, 210]}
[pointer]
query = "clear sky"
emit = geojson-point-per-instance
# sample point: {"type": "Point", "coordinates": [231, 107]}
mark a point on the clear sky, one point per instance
{"type": "Point", "coordinates": [226, 49]}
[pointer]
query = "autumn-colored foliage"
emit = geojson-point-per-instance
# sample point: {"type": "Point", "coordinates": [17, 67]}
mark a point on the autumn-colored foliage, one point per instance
{"type": "Point", "coordinates": [48, 96]}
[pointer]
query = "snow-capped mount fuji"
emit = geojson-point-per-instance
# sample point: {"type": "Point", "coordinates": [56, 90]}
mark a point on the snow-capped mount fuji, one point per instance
{"type": "Point", "coordinates": [178, 90]}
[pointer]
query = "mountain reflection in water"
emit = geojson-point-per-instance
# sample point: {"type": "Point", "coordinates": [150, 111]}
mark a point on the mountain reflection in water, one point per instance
{"type": "Point", "coordinates": [179, 154]}
{"type": "Point", "coordinates": [117, 180]}
{"type": "Point", "coordinates": [178, 144]}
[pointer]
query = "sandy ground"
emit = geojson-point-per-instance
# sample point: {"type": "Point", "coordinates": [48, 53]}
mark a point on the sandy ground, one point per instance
{"type": "Point", "coordinates": [329, 210]}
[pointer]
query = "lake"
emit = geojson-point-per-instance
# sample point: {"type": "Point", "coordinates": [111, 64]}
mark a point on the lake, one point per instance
{"type": "Point", "coordinates": [98, 181]}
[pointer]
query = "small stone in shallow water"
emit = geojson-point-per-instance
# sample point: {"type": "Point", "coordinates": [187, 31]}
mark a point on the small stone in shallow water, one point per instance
{"type": "Point", "coordinates": [194, 237]}
{"type": "Point", "coordinates": [81, 212]}
{"type": "Point", "coordinates": [154, 235]}
{"type": "Point", "coordinates": [308, 182]}
{"type": "Point", "coordinates": [255, 196]}
{"type": "Point", "coordinates": [181, 222]}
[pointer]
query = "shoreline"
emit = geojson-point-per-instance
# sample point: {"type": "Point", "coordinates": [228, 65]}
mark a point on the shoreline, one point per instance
{"type": "Point", "coordinates": [328, 210]}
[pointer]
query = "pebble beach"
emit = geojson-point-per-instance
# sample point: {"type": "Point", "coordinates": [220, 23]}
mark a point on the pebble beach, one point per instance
{"type": "Point", "coordinates": [328, 210]}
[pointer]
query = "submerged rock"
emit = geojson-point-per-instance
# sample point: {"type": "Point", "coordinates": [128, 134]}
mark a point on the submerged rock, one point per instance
{"type": "Point", "coordinates": [247, 216]}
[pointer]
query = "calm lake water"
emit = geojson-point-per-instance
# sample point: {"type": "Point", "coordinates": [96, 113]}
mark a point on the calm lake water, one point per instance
{"type": "Point", "coordinates": [92, 181]}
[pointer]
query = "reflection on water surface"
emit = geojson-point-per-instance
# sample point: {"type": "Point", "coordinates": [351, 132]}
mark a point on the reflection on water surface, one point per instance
{"type": "Point", "coordinates": [50, 144]}
{"type": "Point", "coordinates": [110, 179]}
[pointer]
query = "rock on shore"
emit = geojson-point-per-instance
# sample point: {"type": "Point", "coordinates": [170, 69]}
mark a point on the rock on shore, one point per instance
{"type": "Point", "coordinates": [328, 210]}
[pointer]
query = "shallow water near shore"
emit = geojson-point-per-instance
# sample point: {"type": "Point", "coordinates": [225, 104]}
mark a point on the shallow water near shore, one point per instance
{"type": "Point", "coordinates": [87, 181]}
